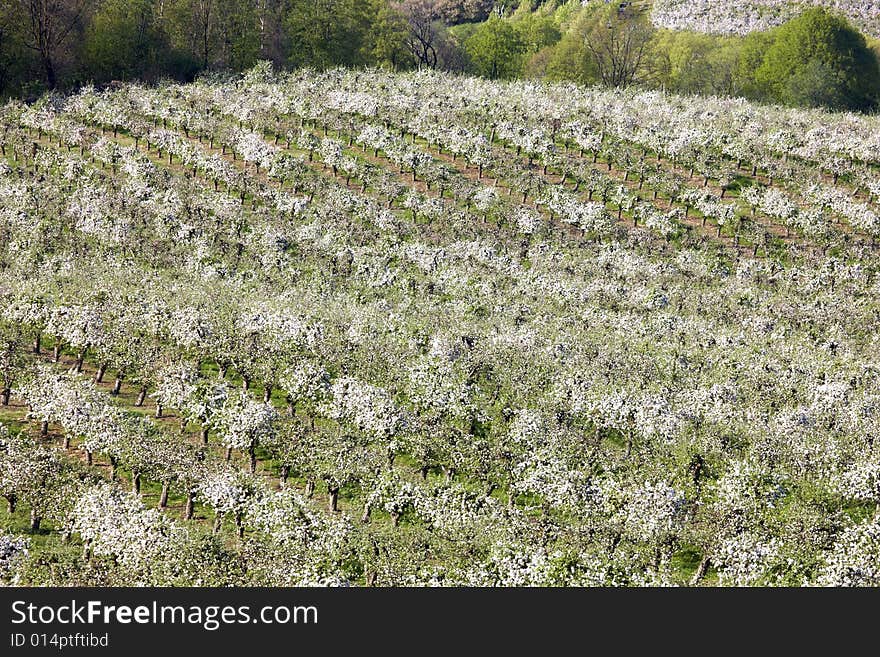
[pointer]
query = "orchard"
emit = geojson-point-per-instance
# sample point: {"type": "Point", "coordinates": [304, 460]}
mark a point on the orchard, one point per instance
{"type": "Point", "coordinates": [365, 328]}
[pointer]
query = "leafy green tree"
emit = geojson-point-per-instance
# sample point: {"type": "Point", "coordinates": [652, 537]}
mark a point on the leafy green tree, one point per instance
{"type": "Point", "coordinates": [240, 42]}
{"type": "Point", "coordinates": [14, 60]}
{"type": "Point", "coordinates": [618, 40]}
{"type": "Point", "coordinates": [122, 40]}
{"type": "Point", "coordinates": [387, 45]}
{"type": "Point", "coordinates": [325, 33]}
{"type": "Point", "coordinates": [605, 43]}
{"type": "Point", "coordinates": [819, 59]}
{"type": "Point", "coordinates": [751, 56]}
{"type": "Point", "coordinates": [192, 28]}
{"type": "Point", "coordinates": [536, 30]}
{"type": "Point", "coordinates": [569, 59]}
{"type": "Point", "coordinates": [495, 49]}
{"type": "Point", "coordinates": [224, 34]}
{"type": "Point", "coordinates": [692, 63]}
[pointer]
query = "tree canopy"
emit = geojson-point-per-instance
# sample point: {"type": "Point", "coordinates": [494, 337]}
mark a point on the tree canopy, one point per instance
{"type": "Point", "coordinates": [819, 59]}
{"type": "Point", "coordinates": [495, 49]}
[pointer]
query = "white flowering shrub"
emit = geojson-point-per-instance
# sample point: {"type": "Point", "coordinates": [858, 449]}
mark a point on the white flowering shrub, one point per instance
{"type": "Point", "coordinates": [306, 382]}
{"type": "Point", "coordinates": [369, 408]}
{"type": "Point", "coordinates": [744, 560]}
{"type": "Point", "coordinates": [243, 422]}
{"type": "Point", "coordinates": [116, 524]}
{"type": "Point", "coordinates": [853, 559]}
{"type": "Point", "coordinates": [13, 553]}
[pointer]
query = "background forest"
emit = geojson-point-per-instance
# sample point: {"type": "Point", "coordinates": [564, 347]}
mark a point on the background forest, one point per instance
{"type": "Point", "coordinates": [816, 58]}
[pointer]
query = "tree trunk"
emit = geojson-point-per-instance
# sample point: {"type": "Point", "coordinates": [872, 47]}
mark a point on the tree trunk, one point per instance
{"type": "Point", "coordinates": [365, 516]}
{"type": "Point", "coordinates": [79, 361]}
{"type": "Point", "coordinates": [228, 454]}
{"type": "Point", "coordinates": [190, 506]}
{"type": "Point", "coordinates": [11, 501]}
{"type": "Point", "coordinates": [117, 384]}
{"type": "Point", "coordinates": [701, 571]}
{"type": "Point", "coordinates": [205, 431]}
{"type": "Point", "coordinates": [66, 441]}
{"type": "Point", "coordinates": [142, 395]}
{"type": "Point", "coordinates": [267, 393]}
{"type": "Point", "coordinates": [252, 453]}
{"type": "Point", "coordinates": [163, 496]}
{"type": "Point", "coordinates": [334, 498]}
{"type": "Point", "coordinates": [99, 373]}
{"type": "Point", "coordinates": [37, 348]}
{"type": "Point", "coordinates": [89, 458]}
{"type": "Point", "coordinates": [49, 69]}
{"type": "Point", "coordinates": [56, 353]}
{"type": "Point", "coordinates": [310, 487]}
{"type": "Point", "coordinates": [114, 465]}
{"type": "Point", "coordinates": [4, 397]}
{"type": "Point", "coordinates": [35, 522]}
{"type": "Point", "coordinates": [218, 519]}
{"type": "Point", "coordinates": [285, 473]}
{"type": "Point", "coordinates": [158, 410]}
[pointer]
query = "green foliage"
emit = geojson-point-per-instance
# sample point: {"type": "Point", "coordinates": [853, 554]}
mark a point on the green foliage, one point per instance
{"type": "Point", "coordinates": [387, 43]}
{"type": "Point", "coordinates": [691, 63]}
{"type": "Point", "coordinates": [324, 33]}
{"type": "Point", "coordinates": [495, 49]}
{"type": "Point", "coordinates": [617, 39]}
{"type": "Point", "coordinates": [603, 43]}
{"type": "Point", "coordinates": [213, 34]}
{"type": "Point", "coordinates": [816, 59]}
{"type": "Point", "coordinates": [570, 59]}
{"type": "Point", "coordinates": [239, 35]}
{"type": "Point", "coordinates": [539, 32]}
{"type": "Point", "coordinates": [122, 40]}
{"type": "Point", "coordinates": [819, 59]}
{"type": "Point", "coordinates": [13, 59]}
{"type": "Point", "coordinates": [536, 30]}
{"type": "Point", "coordinates": [751, 51]}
